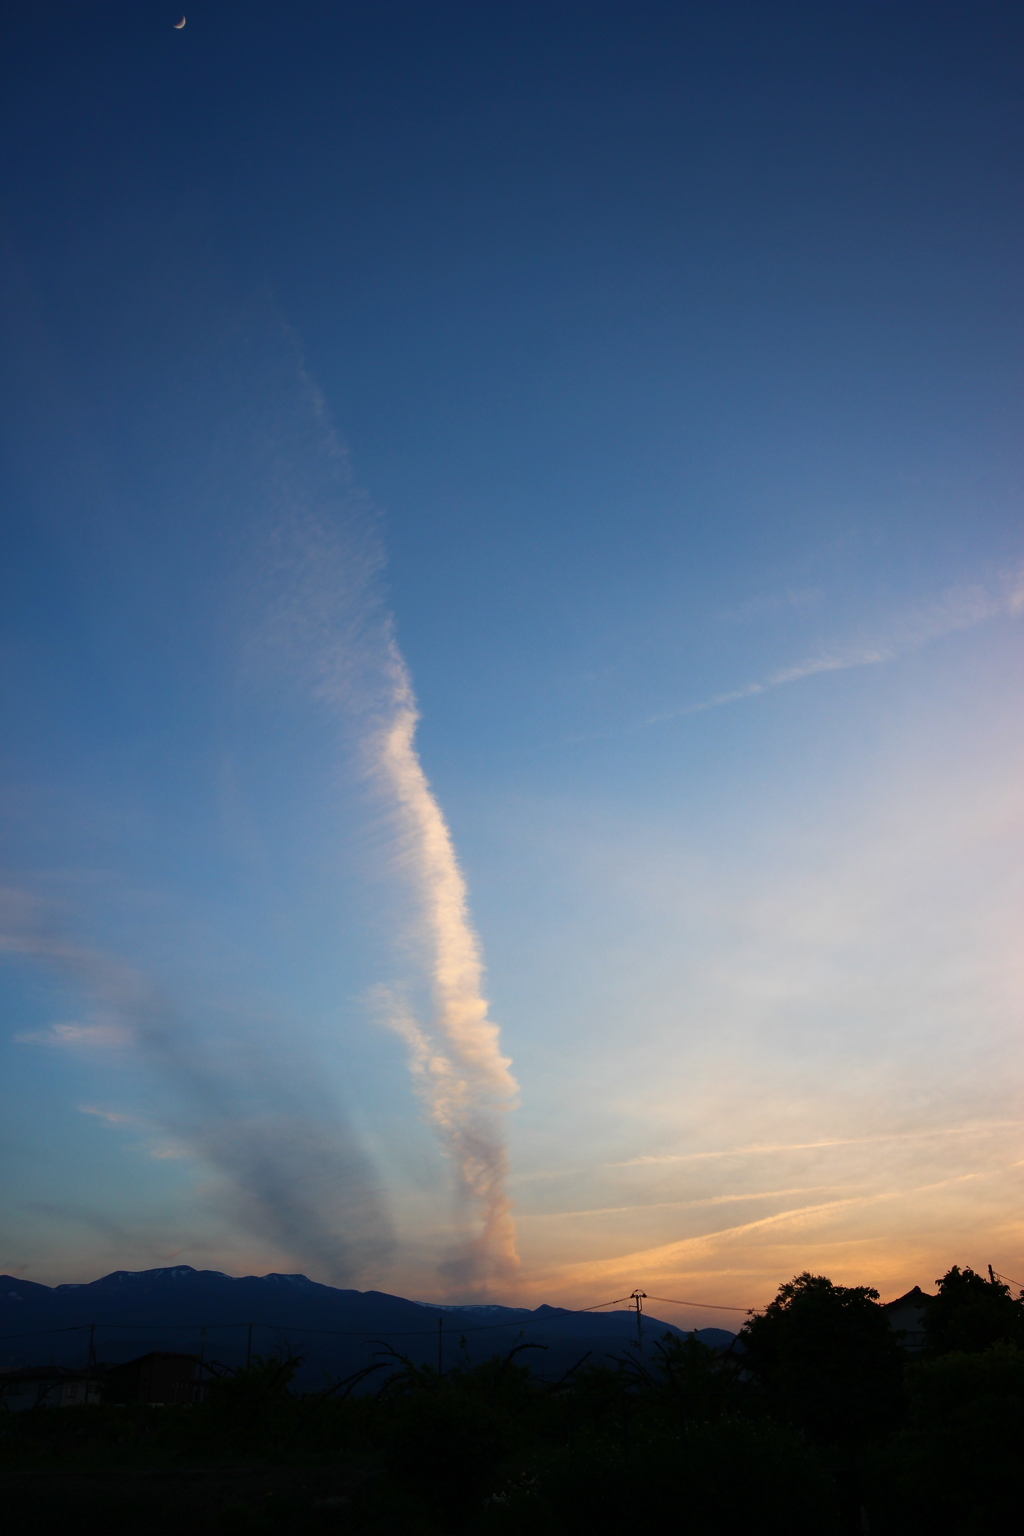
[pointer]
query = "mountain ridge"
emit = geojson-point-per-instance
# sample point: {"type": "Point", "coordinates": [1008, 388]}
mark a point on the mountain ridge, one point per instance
{"type": "Point", "coordinates": [225, 1317]}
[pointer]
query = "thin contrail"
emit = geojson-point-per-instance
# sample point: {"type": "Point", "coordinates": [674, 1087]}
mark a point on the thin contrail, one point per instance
{"type": "Point", "coordinates": [958, 608]}
{"type": "Point", "coordinates": [658, 1258]}
{"type": "Point", "coordinates": [760, 1149]}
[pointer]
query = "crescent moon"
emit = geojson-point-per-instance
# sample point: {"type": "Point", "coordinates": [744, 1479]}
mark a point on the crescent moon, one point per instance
{"type": "Point", "coordinates": [179, 24]}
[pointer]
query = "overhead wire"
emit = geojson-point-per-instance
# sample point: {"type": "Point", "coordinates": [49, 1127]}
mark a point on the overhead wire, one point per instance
{"type": "Point", "coordinates": [715, 1306]}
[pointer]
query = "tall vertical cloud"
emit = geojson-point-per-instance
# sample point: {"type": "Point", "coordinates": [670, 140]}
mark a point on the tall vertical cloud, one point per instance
{"type": "Point", "coordinates": [263, 582]}
{"type": "Point", "coordinates": [318, 608]}
{"type": "Point", "coordinates": [461, 1073]}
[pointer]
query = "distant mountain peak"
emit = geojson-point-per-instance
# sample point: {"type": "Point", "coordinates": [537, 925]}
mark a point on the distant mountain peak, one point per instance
{"type": "Point", "coordinates": [131, 1312]}
{"type": "Point", "coordinates": [130, 1276]}
{"type": "Point", "coordinates": [475, 1307]}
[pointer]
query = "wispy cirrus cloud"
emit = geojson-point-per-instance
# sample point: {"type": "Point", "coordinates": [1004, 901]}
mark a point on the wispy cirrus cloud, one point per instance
{"type": "Point", "coordinates": [680, 1205]}
{"type": "Point", "coordinates": [957, 608]}
{"type": "Point", "coordinates": [78, 1037]}
{"type": "Point", "coordinates": [663, 1261]}
{"type": "Point", "coordinates": [790, 599]}
{"type": "Point", "coordinates": [985, 1128]}
{"type": "Point", "coordinates": [109, 1116]}
{"type": "Point", "coordinates": [162, 1151]}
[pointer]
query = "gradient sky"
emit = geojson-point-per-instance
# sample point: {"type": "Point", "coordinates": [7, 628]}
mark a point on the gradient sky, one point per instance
{"type": "Point", "coordinates": [646, 380]}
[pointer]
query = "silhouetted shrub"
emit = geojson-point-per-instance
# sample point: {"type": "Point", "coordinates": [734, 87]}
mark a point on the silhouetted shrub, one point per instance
{"type": "Point", "coordinates": [727, 1475]}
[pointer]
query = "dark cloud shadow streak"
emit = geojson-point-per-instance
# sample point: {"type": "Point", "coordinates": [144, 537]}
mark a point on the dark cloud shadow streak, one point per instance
{"type": "Point", "coordinates": [298, 1176]}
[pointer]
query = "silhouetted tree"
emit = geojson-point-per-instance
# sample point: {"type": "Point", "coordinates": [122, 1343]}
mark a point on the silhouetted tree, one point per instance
{"type": "Point", "coordinates": [971, 1313]}
{"type": "Point", "coordinates": [827, 1359]}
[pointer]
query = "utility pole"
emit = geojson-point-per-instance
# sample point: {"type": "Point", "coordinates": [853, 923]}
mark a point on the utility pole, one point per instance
{"type": "Point", "coordinates": [440, 1344]}
{"type": "Point", "coordinates": [991, 1275]}
{"type": "Point", "coordinates": [638, 1297]}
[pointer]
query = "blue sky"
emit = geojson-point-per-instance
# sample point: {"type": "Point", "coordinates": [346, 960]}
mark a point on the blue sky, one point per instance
{"type": "Point", "coordinates": [634, 392]}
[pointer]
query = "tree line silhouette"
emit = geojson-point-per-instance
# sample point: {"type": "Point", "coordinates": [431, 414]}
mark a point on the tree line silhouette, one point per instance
{"type": "Point", "coordinates": [817, 1421]}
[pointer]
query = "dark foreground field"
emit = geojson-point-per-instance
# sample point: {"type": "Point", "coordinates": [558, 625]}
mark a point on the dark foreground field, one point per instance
{"type": "Point", "coordinates": [822, 1426]}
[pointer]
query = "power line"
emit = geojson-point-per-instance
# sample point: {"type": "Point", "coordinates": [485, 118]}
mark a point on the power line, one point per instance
{"type": "Point", "coordinates": [716, 1306]}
